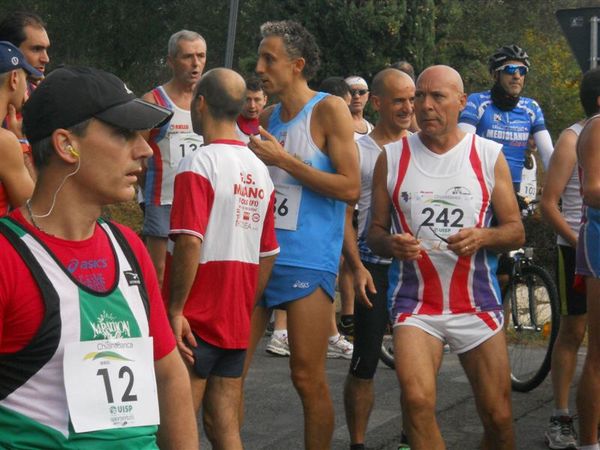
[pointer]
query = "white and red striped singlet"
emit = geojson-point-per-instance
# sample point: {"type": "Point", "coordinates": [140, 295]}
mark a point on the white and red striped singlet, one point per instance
{"type": "Point", "coordinates": [434, 196]}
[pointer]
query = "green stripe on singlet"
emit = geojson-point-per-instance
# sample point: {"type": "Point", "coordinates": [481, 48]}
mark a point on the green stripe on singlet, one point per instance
{"type": "Point", "coordinates": [22, 433]}
{"type": "Point", "coordinates": [14, 227]}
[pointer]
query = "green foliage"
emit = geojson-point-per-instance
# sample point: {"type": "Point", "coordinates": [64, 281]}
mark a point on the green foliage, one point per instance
{"type": "Point", "coordinates": [469, 33]}
{"type": "Point", "coordinates": [361, 37]}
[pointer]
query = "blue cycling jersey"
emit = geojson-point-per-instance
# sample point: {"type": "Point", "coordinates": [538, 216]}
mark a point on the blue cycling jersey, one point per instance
{"type": "Point", "coordinates": [509, 128]}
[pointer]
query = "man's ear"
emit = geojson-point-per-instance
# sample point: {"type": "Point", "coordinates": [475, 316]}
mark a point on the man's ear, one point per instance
{"type": "Point", "coordinates": [299, 64]}
{"type": "Point", "coordinates": [64, 148]}
{"type": "Point", "coordinates": [13, 79]}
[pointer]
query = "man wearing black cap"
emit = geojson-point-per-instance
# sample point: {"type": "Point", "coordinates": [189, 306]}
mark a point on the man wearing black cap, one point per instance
{"type": "Point", "coordinates": [86, 352]}
{"type": "Point", "coordinates": [15, 183]}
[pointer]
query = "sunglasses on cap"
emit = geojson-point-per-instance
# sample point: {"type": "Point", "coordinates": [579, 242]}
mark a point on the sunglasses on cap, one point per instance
{"type": "Point", "coordinates": [353, 92]}
{"type": "Point", "coordinates": [511, 69]}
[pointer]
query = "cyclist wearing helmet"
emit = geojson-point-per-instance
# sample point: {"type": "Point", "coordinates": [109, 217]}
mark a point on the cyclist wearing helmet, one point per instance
{"type": "Point", "coordinates": [502, 115]}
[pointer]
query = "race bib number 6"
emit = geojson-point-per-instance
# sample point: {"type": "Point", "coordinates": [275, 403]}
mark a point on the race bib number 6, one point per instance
{"type": "Point", "coordinates": [110, 384]}
{"type": "Point", "coordinates": [287, 205]}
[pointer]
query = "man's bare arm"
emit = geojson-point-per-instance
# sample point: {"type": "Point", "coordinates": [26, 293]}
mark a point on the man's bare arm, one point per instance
{"type": "Point", "coordinates": [265, 267]}
{"type": "Point", "coordinates": [361, 276]}
{"type": "Point", "coordinates": [178, 429]}
{"type": "Point", "coordinates": [184, 266]}
{"type": "Point", "coordinates": [562, 163]}
{"type": "Point", "coordinates": [334, 124]}
{"type": "Point", "coordinates": [400, 246]}
{"type": "Point", "coordinates": [13, 173]}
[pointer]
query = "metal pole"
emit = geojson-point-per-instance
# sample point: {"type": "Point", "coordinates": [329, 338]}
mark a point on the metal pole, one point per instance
{"type": "Point", "coordinates": [233, 13]}
{"type": "Point", "coordinates": [594, 42]}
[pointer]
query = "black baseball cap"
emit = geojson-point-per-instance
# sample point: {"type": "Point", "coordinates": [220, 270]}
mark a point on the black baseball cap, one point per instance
{"type": "Point", "coordinates": [71, 95]}
{"type": "Point", "coordinates": [11, 58]}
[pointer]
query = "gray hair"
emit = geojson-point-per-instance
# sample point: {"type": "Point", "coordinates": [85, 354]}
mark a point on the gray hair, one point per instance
{"type": "Point", "coordinates": [187, 35]}
{"type": "Point", "coordinates": [298, 43]}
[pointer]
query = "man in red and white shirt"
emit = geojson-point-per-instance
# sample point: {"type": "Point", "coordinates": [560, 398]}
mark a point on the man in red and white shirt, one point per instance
{"type": "Point", "coordinates": [222, 250]}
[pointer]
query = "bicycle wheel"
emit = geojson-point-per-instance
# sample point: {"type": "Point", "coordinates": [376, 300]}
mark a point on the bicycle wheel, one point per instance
{"type": "Point", "coordinates": [387, 348]}
{"type": "Point", "coordinates": [532, 326]}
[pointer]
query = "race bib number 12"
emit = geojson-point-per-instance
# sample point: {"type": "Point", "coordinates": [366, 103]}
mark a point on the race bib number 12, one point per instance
{"type": "Point", "coordinates": [111, 384]}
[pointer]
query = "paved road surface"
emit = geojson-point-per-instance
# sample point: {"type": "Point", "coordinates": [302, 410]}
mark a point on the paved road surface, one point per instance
{"type": "Point", "coordinates": [274, 416]}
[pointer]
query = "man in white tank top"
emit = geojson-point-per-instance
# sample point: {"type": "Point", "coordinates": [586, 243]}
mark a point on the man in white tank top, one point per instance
{"type": "Point", "coordinates": [562, 186]}
{"type": "Point", "coordinates": [359, 96]}
{"type": "Point", "coordinates": [170, 143]}
{"type": "Point", "coordinates": [440, 185]}
{"type": "Point", "coordinates": [392, 97]}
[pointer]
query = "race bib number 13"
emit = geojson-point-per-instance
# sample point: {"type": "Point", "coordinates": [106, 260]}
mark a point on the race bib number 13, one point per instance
{"type": "Point", "coordinates": [111, 384]}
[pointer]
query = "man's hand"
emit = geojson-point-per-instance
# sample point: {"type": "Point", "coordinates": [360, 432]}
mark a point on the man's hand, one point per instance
{"type": "Point", "coordinates": [363, 281]}
{"type": "Point", "coordinates": [404, 247]}
{"type": "Point", "coordinates": [14, 124]}
{"type": "Point", "coordinates": [467, 241]}
{"type": "Point", "coordinates": [184, 337]}
{"type": "Point", "coordinates": [267, 149]}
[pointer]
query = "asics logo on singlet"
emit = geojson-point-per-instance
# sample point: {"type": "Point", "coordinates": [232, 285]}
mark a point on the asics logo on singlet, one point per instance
{"type": "Point", "coordinates": [301, 284]}
{"type": "Point", "coordinates": [87, 264]}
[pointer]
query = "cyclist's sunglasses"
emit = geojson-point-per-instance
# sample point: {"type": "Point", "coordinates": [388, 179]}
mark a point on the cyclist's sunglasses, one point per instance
{"type": "Point", "coordinates": [512, 68]}
{"type": "Point", "coordinates": [353, 92]}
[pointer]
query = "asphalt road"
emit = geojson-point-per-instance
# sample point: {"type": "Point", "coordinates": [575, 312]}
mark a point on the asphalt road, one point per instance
{"type": "Point", "coordinates": [274, 413]}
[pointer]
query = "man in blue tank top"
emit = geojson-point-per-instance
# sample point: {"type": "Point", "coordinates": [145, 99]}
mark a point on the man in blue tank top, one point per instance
{"type": "Point", "coordinates": [588, 259]}
{"type": "Point", "coordinates": [503, 115]}
{"type": "Point", "coordinates": [313, 162]}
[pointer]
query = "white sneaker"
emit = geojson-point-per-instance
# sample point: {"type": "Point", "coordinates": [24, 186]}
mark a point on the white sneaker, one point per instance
{"type": "Point", "coordinates": [340, 348]}
{"type": "Point", "coordinates": [561, 433]}
{"type": "Point", "coordinates": [278, 347]}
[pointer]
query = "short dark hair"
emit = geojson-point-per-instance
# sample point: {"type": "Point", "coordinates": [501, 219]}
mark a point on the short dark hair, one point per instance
{"type": "Point", "coordinates": [42, 150]}
{"type": "Point", "coordinates": [590, 91]}
{"type": "Point", "coordinates": [254, 84]}
{"type": "Point", "coordinates": [221, 103]}
{"type": "Point", "coordinates": [405, 67]}
{"type": "Point", "coordinates": [12, 27]}
{"type": "Point", "coordinates": [298, 42]}
{"type": "Point", "coordinates": [335, 86]}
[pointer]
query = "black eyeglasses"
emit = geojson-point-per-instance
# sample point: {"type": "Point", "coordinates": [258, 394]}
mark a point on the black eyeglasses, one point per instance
{"type": "Point", "coordinates": [438, 243]}
{"type": "Point", "coordinates": [511, 69]}
{"type": "Point", "coordinates": [353, 92]}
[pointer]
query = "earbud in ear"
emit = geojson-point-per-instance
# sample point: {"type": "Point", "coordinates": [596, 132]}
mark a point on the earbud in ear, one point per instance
{"type": "Point", "coordinates": [72, 150]}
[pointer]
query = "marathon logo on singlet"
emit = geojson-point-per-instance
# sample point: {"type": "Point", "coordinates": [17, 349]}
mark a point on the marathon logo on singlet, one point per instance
{"type": "Point", "coordinates": [108, 327]}
{"type": "Point", "coordinates": [133, 279]}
